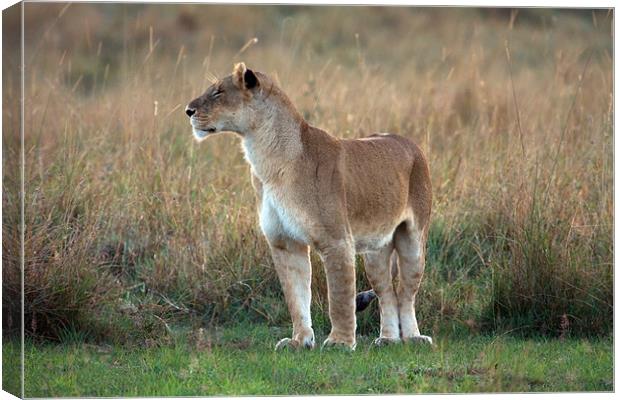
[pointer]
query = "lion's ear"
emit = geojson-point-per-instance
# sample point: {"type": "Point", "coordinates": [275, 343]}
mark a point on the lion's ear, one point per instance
{"type": "Point", "coordinates": [243, 77]}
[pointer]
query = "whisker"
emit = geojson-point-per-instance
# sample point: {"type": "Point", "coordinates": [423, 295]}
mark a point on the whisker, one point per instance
{"type": "Point", "coordinates": [211, 78]}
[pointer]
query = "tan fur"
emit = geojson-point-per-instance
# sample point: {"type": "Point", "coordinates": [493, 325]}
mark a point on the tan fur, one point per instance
{"type": "Point", "coordinates": [339, 196]}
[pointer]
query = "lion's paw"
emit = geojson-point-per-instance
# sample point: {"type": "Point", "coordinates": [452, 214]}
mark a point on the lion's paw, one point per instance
{"type": "Point", "coordinates": [307, 343]}
{"type": "Point", "coordinates": [385, 341]}
{"type": "Point", "coordinates": [331, 344]}
{"type": "Point", "coordinates": [420, 339]}
{"type": "Point", "coordinates": [287, 344]}
{"type": "Point", "coordinates": [294, 344]}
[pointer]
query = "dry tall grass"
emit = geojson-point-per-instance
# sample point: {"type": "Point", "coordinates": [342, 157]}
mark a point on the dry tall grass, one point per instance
{"type": "Point", "coordinates": [131, 226]}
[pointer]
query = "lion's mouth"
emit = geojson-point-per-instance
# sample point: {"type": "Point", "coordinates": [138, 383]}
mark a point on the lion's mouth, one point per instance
{"type": "Point", "coordinates": [196, 125]}
{"type": "Point", "coordinates": [200, 132]}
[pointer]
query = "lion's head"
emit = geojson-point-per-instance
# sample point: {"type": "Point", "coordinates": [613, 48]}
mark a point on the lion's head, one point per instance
{"type": "Point", "coordinates": [224, 105]}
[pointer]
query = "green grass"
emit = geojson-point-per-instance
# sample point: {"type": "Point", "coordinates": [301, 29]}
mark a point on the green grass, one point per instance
{"type": "Point", "coordinates": [11, 366]}
{"type": "Point", "coordinates": [241, 361]}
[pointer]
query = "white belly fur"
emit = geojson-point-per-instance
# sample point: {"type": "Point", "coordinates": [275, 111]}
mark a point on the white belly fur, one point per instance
{"type": "Point", "coordinates": [372, 243]}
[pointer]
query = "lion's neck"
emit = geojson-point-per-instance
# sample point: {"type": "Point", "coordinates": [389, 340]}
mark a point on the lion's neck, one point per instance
{"type": "Point", "coordinates": [274, 144]}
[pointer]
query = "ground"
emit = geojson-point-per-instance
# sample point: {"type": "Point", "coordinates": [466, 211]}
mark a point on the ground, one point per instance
{"type": "Point", "coordinates": [241, 361]}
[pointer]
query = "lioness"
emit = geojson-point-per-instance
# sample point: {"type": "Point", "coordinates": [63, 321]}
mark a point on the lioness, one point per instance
{"type": "Point", "coordinates": [341, 196]}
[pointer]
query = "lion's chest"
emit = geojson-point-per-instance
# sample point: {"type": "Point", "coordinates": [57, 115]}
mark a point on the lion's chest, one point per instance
{"type": "Point", "coordinates": [280, 219]}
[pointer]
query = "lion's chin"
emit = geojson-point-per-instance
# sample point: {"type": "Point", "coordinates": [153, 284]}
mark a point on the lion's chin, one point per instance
{"type": "Point", "coordinates": [201, 135]}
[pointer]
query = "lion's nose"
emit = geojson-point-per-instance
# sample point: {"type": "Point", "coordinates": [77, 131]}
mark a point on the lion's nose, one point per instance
{"type": "Point", "coordinates": [190, 111]}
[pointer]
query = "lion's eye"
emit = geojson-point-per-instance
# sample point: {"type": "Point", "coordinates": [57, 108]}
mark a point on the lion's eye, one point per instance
{"type": "Point", "coordinates": [217, 93]}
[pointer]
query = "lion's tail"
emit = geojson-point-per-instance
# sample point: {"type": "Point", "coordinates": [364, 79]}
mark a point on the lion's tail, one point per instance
{"type": "Point", "coordinates": [363, 299]}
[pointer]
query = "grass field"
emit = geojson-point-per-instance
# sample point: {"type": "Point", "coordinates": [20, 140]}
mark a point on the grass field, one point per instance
{"type": "Point", "coordinates": [133, 228]}
{"type": "Point", "coordinates": [241, 361]}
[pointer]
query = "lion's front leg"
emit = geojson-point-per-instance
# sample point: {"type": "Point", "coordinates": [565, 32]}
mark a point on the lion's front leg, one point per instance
{"type": "Point", "coordinates": [292, 262]}
{"type": "Point", "coordinates": [339, 261]}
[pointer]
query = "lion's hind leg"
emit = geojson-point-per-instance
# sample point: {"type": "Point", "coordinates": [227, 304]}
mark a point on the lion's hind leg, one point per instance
{"type": "Point", "coordinates": [378, 271]}
{"type": "Point", "coordinates": [410, 246]}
